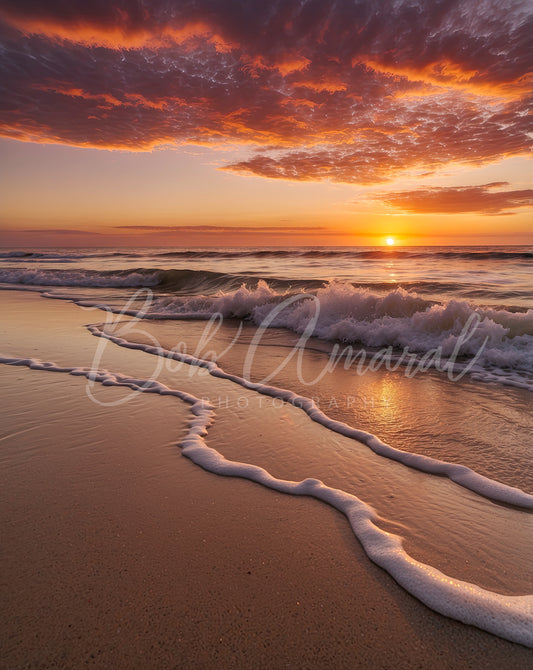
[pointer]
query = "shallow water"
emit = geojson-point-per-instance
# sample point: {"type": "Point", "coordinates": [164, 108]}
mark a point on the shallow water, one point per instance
{"type": "Point", "coordinates": [486, 427]}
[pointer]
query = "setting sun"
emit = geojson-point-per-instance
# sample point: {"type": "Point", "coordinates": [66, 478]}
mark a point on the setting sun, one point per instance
{"type": "Point", "coordinates": [390, 241]}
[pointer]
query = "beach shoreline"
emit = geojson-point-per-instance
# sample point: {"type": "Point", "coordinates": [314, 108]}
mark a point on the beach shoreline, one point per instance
{"type": "Point", "coordinates": [158, 562]}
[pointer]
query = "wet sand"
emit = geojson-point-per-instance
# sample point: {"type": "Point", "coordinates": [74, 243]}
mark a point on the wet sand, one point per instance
{"type": "Point", "coordinates": [118, 552]}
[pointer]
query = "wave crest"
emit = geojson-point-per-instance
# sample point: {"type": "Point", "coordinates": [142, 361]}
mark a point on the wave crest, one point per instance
{"type": "Point", "coordinates": [496, 340]}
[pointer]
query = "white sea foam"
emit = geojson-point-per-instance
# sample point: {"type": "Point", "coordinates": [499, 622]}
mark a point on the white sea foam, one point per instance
{"type": "Point", "coordinates": [500, 346]}
{"type": "Point", "coordinates": [510, 617]}
{"type": "Point", "coordinates": [85, 278]}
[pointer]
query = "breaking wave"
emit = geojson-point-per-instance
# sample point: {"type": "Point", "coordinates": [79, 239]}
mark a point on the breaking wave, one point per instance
{"type": "Point", "coordinates": [499, 346]}
{"type": "Point", "coordinates": [497, 343]}
{"type": "Point", "coordinates": [85, 278]}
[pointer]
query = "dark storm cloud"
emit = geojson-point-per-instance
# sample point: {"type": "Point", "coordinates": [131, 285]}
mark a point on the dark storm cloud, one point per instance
{"type": "Point", "coordinates": [348, 90]}
{"type": "Point", "coordinates": [483, 199]}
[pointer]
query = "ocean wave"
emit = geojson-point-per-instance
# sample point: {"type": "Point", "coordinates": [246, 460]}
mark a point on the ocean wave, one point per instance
{"type": "Point", "coordinates": [489, 340]}
{"type": "Point", "coordinates": [186, 280]}
{"type": "Point", "coordinates": [167, 281]}
{"type": "Point", "coordinates": [363, 253]}
{"type": "Point", "coordinates": [86, 278]}
{"type": "Point", "coordinates": [67, 255]}
{"type": "Point", "coordinates": [28, 256]}
{"type": "Point", "coordinates": [498, 346]}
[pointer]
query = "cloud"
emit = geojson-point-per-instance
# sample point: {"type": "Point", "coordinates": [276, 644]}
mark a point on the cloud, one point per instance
{"type": "Point", "coordinates": [483, 199]}
{"type": "Point", "coordinates": [192, 235]}
{"type": "Point", "coordinates": [52, 231]}
{"type": "Point", "coordinates": [349, 91]}
{"type": "Point", "coordinates": [277, 231]}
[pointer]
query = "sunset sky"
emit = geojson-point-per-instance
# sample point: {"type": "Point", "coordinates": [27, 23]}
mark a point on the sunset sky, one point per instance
{"type": "Point", "coordinates": [245, 122]}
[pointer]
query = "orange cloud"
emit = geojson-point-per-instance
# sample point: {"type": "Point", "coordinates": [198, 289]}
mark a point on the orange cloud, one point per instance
{"type": "Point", "coordinates": [323, 85]}
{"type": "Point", "coordinates": [293, 64]}
{"type": "Point", "coordinates": [447, 74]}
{"type": "Point", "coordinates": [119, 35]}
{"type": "Point", "coordinates": [483, 199]}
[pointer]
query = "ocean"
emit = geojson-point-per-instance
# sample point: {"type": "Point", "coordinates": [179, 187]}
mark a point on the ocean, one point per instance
{"type": "Point", "coordinates": [391, 383]}
{"type": "Point", "coordinates": [415, 298]}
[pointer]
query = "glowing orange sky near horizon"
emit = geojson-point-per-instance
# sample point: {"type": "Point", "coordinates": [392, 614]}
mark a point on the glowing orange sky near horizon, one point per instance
{"type": "Point", "coordinates": [93, 192]}
{"type": "Point", "coordinates": [193, 127]}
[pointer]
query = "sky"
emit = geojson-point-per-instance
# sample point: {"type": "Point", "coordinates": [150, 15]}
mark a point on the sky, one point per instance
{"type": "Point", "coordinates": [244, 122]}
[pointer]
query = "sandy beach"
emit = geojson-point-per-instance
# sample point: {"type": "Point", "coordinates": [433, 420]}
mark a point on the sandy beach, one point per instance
{"type": "Point", "coordinates": [120, 552]}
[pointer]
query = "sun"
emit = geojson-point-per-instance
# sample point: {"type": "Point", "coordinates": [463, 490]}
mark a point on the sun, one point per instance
{"type": "Point", "coordinates": [390, 241]}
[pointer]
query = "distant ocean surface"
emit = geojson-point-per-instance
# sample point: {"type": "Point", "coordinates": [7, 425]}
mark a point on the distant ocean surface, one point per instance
{"type": "Point", "coordinates": [498, 276]}
{"type": "Point", "coordinates": [415, 297]}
